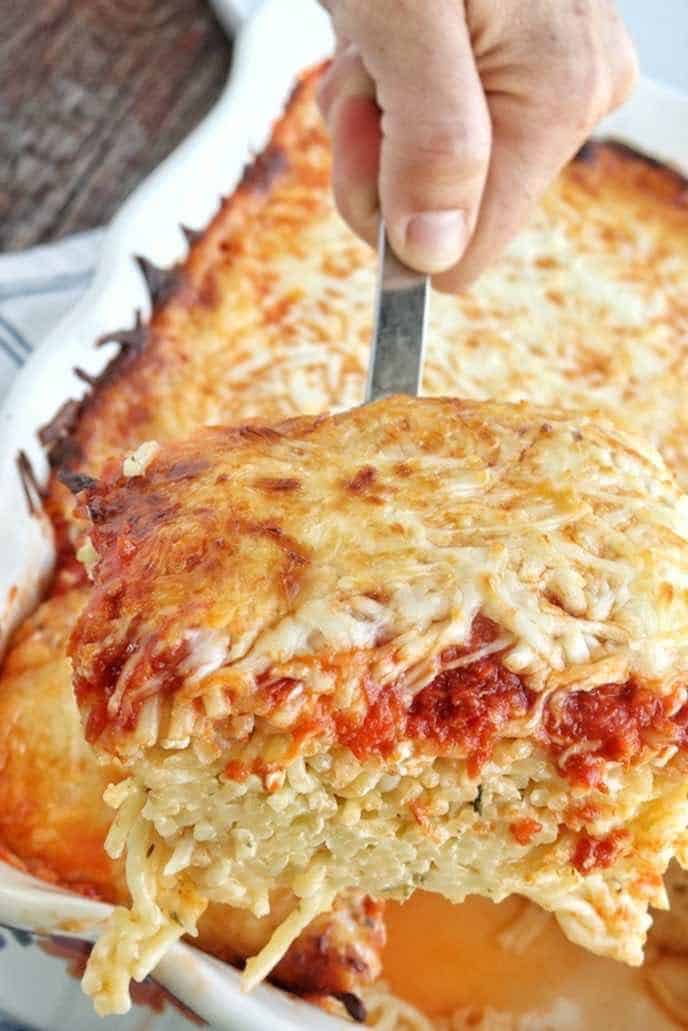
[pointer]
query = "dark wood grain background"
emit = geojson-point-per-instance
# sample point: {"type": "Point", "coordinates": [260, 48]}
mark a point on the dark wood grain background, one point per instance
{"type": "Point", "coordinates": [93, 94]}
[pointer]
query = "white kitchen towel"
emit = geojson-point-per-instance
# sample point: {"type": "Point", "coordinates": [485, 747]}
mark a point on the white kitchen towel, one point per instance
{"type": "Point", "coordinates": [37, 287]}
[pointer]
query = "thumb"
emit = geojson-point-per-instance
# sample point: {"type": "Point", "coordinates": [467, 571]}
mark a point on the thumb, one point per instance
{"type": "Point", "coordinates": [435, 125]}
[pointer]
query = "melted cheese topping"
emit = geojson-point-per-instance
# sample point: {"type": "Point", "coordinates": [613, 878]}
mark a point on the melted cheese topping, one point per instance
{"type": "Point", "coordinates": [136, 464]}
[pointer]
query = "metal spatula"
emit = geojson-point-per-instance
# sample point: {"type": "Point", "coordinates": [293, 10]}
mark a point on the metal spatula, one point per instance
{"type": "Point", "coordinates": [401, 311]}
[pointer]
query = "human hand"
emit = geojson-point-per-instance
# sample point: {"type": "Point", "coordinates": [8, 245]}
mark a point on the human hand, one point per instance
{"type": "Point", "coordinates": [451, 117]}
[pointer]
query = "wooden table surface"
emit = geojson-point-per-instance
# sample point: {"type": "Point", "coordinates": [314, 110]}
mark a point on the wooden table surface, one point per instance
{"type": "Point", "coordinates": [93, 94]}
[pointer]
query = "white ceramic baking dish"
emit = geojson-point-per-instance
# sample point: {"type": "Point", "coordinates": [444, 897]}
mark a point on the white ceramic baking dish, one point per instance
{"type": "Point", "coordinates": [273, 45]}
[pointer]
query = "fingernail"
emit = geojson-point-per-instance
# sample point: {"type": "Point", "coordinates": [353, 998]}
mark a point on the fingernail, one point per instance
{"type": "Point", "coordinates": [435, 240]}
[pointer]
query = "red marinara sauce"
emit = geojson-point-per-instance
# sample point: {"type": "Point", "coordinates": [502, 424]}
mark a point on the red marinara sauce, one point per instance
{"type": "Point", "coordinates": [464, 707]}
{"type": "Point", "coordinates": [156, 672]}
{"type": "Point", "coordinates": [620, 719]}
{"type": "Point", "coordinates": [591, 853]}
{"type": "Point", "coordinates": [524, 830]}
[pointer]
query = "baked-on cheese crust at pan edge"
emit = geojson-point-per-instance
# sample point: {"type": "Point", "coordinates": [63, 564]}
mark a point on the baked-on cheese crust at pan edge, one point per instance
{"type": "Point", "coordinates": [426, 643]}
{"type": "Point", "coordinates": [269, 316]}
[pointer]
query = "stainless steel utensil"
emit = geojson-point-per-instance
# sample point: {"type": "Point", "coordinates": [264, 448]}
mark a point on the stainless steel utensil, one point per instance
{"type": "Point", "coordinates": [401, 311]}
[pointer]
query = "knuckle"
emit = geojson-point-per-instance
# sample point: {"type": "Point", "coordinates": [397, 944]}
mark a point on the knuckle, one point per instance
{"type": "Point", "coordinates": [579, 94]}
{"type": "Point", "coordinates": [454, 146]}
{"type": "Point", "coordinates": [597, 73]}
{"type": "Point", "coordinates": [626, 72]}
{"type": "Point", "coordinates": [582, 86]}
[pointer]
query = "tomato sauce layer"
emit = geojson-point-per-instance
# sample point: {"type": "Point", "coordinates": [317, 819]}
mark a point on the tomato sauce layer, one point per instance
{"type": "Point", "coordinates": [619, 723]}
{"type": "Point", "coordinates": [466, 709]}
{"type": "Point", "coordinates": [591, 853]}
{"type": "Point", "coordinates": [463, 708]}
{"type": "Point", "coordinates": [154, 671]}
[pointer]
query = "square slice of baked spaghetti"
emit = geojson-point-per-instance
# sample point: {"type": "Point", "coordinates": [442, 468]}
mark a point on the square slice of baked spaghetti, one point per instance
{"type": "Point", "coordinates": [425, 643]}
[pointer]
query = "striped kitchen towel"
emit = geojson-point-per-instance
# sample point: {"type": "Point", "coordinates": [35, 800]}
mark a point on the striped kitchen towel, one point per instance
{"type": "Point", "coordinates": [37, 287]}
